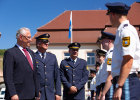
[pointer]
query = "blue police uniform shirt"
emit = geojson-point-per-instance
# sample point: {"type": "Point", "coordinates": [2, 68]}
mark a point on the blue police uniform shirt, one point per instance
{"type": "Point", "coordinates": [98, 75]}
{"type": "Point", "coordinates": [107, 65]}
{"type": "Point", "coordinates": [126, 43]}
{"type": "Point", "coordinates": [41, 54]}
{"type": "Point", "coordinates": [74, 61]}
{"type": "Point", "coordinates": [93, 84]}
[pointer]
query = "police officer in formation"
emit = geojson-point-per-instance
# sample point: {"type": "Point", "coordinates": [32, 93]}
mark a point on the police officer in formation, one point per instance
{"type": "Point", "coordinates": [107, 41]}
{"type": "Point", "coordinates": [74, 74]}
{"type": "Point", "coordinates": [97, 66]}
{"type": "Point", "coordinates": [47, 70]}
{"type": "Point", "coordinates": [126, 54]}
{"type": "Point", "coordinates": [93, 84]}
{"type": "Point", "coordinates": [100, 53]}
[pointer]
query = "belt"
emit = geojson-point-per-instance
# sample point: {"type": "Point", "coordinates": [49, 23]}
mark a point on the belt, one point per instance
{"type": "Point", "coordinates": [115, 79]}
{"type": "Point", "coordinates": [132, 75]}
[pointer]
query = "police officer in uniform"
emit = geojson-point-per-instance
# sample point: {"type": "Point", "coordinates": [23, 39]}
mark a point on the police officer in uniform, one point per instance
{"type": "Point", "coordinates": [48, 71]}
{"type": "Point", "coordinates": [97, 66]}
{"type": "Point", "coordinates": [107, 40]}
{"type": "Point", "coordinates": [126, 54]}
{"type": "Point", "coordinates": [100, 53]}
{"type": "Point", "coordinates": [93, 84]}
{"type": "Point", "coordinates": [74, 74]}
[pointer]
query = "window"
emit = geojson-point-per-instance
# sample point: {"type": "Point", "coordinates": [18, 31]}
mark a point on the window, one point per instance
{"type": "Point", "coordinates": [91, 59]}
{"type": "Point", "coordinates": [66, 55]}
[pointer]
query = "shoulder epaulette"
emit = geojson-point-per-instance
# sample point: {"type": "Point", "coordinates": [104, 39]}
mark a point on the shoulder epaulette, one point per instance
{"type": "Point", "coordinates": [66, 59]}
{"type": "Point", "coordinates": [49, 52]}
{"type": "Point", "coordinates": [125, 25]}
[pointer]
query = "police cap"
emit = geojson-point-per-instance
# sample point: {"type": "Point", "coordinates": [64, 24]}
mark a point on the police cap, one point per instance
{"type": "Point", "coordinates": [117, 7]}
{"type": "Point", "coordinates": [74, 45]}
{"type": "Point", "coordinates": [43, 37]}
{"type": "Point", "coordinates": [97, 64]}
{"type": "Point", "coordinates": [106, 35]}
{"type": "Point", "coordinates": [92, 71]}
{"type": "Point", "coordinates": [101, 52]}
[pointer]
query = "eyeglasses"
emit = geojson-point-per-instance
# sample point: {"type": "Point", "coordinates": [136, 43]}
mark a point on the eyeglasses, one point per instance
{"type": "Point", "coordinates": [47, 43]}
{"type": "Point", "coordinates": [27, 37]}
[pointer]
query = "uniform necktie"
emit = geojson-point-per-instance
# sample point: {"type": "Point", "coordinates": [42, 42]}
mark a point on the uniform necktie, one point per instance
{"type": "Point", "coordinates": [42, 56]}
{"type": "Point", "coordinates": [28, 57]}
{"type": "Point", "coordinates": [73, 62]}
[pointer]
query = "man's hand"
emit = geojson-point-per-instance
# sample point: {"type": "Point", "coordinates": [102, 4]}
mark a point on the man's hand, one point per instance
{"type": "Point", "coordinates": [15, 97]}
{"type": "Point", "coordinates": [102, 97]}
{"type": "Point", "coordinates": [57, 97]}
{"type": "Point", "coordinates": [93, 98]}
{"type": "Point", "coordinates": [38, 98]}
{"type": "Point", "coordinates": [117, 94]}
{"type": "Point", "coordinates": [73, 90]}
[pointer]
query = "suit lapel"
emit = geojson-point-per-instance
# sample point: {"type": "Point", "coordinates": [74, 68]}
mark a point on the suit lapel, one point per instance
{"type": "Point", "coordinates": [70, 63]}
{"type": "Point", "coordinates": [21, 55]}
{"type": "Point", "coordinates": [47, 58]}
{"type": "Point", "coordinates": [38, 57]}
{"type": "Point", "coordinates": [77, 62]}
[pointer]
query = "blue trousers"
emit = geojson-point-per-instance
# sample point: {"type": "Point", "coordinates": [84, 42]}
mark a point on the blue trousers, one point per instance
{"type": "Point", "coordinates": [131, 87]}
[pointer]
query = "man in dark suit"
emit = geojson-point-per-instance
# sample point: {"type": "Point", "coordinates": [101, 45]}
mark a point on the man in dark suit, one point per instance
{"type": "Point", "coordinates": [74, 74]}
{"type": "Point", "coordinates": [48, 71]}
{"type": "Point", "coordinates": [19, 69]}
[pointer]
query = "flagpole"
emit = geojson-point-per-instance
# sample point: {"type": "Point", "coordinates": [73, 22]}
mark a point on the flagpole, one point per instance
{"type": "Point", "coordinates": [71, 28]}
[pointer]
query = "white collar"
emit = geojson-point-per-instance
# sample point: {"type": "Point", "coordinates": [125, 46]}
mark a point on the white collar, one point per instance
{"type": "Point", "coordinates": [41, 54]}
{"type": "Point", "coordinates": [20, 47]}
{"type": "Point", "coordinates": [73, 60]}
{"type": "Point", "coordinates": [111, 49]}
{"type": "Point", "coordinates": [122, 24]}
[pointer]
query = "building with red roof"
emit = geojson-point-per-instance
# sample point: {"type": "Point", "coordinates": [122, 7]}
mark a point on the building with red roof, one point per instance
{"type": "Point", "coordinates": [87, 27]}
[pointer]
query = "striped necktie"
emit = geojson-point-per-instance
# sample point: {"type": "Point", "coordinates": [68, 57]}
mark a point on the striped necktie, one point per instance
{"type": "Point", "coordinates": [28, 57]}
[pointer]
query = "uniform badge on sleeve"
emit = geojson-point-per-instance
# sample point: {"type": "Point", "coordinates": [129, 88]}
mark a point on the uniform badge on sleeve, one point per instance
{"type": "Point", "coordinates": [87, 67]}
{"type": "Point", "coordinates": [109, 61]}
{"type": "Point", "coordinates": [125, 41]}
{"type": "Point", "coordinates": [94, 82]}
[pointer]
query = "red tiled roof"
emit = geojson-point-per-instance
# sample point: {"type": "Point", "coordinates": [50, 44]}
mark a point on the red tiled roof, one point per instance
{"type": "Point", "coordinates": [87, 19]}
{"type": "Point", "coordinates": [87, 25]}
{"type": "Point", "coordinates": [78, 36]}
{"type": "Point", "coordinates": [134, 14]}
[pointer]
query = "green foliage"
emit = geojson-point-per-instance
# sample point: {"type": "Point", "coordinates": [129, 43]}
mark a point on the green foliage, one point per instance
{"type": "Point", "coordinates": [2, 52]}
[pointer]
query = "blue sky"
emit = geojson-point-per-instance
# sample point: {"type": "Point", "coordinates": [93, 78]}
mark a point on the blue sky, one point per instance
{"type": "Point", "coordinates": [15, 14]}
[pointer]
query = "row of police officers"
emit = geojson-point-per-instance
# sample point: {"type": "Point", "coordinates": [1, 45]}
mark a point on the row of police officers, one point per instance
{"type": "Point", "coordinates": [37, 76]}
{"type": "Point", "coordinates": [117, 77]}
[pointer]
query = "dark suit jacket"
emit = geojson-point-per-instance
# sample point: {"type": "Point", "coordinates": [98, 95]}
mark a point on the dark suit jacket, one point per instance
{"type": "Point", "coordinates": [49, 75]}
{"type": "Point", "coordinates": [19, 78]}
{"type": "Point", "coordinates": [74, 75]}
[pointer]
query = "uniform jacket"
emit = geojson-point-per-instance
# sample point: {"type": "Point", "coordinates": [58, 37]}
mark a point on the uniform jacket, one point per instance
{"type": "Point", "coordinates": [49, 75]}
{"type": "Point", "coordinates": [74, 75]}
{"type": "Point", "coordinates": [18, 75]}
